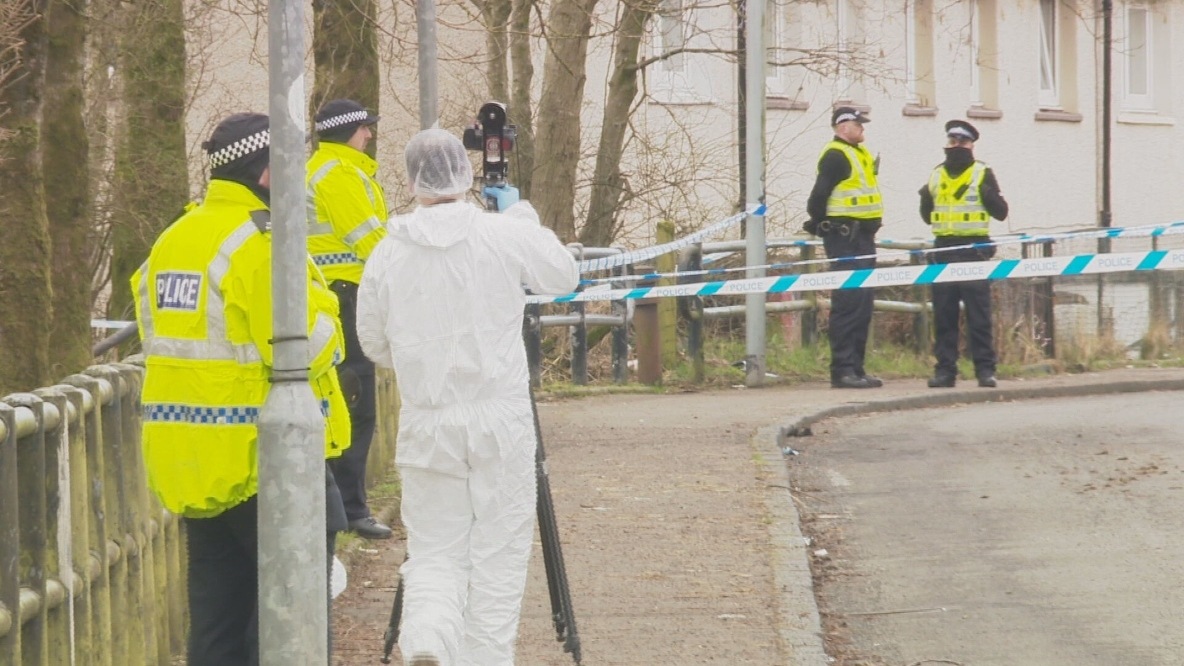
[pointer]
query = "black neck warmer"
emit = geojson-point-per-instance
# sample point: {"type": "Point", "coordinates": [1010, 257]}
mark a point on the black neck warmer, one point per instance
{"type": "Point", "coordinates": [246, 172]}
{"type": "Point", "coordinates": [958, 159]}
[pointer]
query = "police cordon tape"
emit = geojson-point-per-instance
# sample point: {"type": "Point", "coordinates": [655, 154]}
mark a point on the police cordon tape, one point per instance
{"type": "Point", "coordinates": [1002, 269]}
{"type": "Point", "coordinates": [1151, 230]}
{"type": "Point", "coordinates": [613, 261]}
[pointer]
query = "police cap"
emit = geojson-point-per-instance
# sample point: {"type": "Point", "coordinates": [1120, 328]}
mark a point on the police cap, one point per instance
{"type": "Point", "coordinates": [239, 139]}
{"type": "Point", "coordinates": [341, 115]}
{"type": "Point", "coordinates": [844, 113]}
{"type": "Point", "coordinates": [960, 129]}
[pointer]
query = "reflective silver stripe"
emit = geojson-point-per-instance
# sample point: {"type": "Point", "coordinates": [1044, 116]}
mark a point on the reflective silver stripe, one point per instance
{"type": "Point", "coordinates": [216, 346]}
{"type": "Point", "coordinates": [324, 333]}
{"type": "Point", "coordinates": [202, 350]}
{"type": "Point", "coordinates": [368, 186]}
{"type": "Point", "coordinates": [364, 229]}
{"type": "Point", "coordinates": [320, 229]}
{"type": "Point", "coordinates": [869, 208]}
{"type": "Point", "coordinates": [320, 173]}
{"type": "Point", "coordinates": [145, 305]}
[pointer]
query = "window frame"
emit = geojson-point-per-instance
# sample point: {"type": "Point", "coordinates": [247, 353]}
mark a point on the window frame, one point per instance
{"type": "Point", "coordinates": [1048, 58]}
{"type": "Point", "coordinates": [1144, 101]}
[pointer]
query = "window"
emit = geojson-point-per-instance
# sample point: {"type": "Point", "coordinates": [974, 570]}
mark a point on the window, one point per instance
{"type": "Point", "coordinates": [1049, 96]}
{"type": "Point", "coordinates": [774, 41]}
{"type": "Point", "coordinates": [672, 75]}
{"type": "Point", "coordinates": [919, 77]}
{"type": "Point", "coordinates": [984, 68]}
{"type": "Point", "coordinates": [843, 17]}
{"type": "Point", "coordinates": [671, 36]}
{"type": "Point", "coordinates": [1140, 67]}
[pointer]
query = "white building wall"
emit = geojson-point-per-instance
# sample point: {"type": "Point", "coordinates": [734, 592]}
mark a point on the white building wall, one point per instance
{"type": "Point", "coordinates": [682, 163]}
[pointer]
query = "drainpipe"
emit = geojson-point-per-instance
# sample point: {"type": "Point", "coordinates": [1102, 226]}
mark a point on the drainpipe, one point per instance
{"type": "Point", "coordinates": [1107, 77]}
{"type": "Point", "coordinates": [1104, 215]}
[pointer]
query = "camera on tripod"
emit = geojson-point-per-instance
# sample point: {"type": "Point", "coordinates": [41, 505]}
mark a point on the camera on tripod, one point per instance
{"type": "Point", "coordinates": [494, 138]}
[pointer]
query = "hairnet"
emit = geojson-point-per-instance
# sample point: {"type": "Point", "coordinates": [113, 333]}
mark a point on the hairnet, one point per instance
{"type": "Point", "coordinates": [437, 164]}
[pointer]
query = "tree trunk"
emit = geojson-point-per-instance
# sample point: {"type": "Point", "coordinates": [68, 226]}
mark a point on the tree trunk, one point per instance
{"type": "Point", "coordinates": [521, 105]}
{"type": "Point", "coordinates": [66, 158]}
{"type": "Point", "coordinates": [497, 43]}
{"type": "Point", "coordinates": [557, 146]}
{"type": "Point", "coordinates": [345, 53]}
{"type": "Point", "coordinates": [26, 306]}
{"type": "Point", "coordinates": [151, 174]}
{"type": "Point", "coordinates": [607, 186]}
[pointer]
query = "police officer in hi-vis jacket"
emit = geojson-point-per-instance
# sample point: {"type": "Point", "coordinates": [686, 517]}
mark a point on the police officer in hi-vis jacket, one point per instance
{"type": "Point", "coordinates": [204, 312]}
{"type": "Point", "coordinates": [350, 219]}
{"type": "Point", "coordinates": [958, 202]}
{"type": "Point", "coordinates": [845, 210]}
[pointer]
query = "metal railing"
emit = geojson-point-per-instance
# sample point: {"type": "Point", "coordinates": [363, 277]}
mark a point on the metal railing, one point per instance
{"type": "Point", "coordinates": [91, 566]}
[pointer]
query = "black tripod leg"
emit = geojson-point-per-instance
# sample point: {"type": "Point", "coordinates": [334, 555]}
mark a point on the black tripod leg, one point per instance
{"type": "Point", "coordinates": [557, 585]}
{"type": "Point", "coordinates": [391, 635]}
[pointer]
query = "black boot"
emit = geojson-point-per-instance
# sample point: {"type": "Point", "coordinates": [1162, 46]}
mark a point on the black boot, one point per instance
{"type": "Point", "coordinates": [942, 380]}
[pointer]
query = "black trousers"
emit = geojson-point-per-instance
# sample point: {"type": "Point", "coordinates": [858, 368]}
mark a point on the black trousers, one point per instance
{"type": "Point", "coordinates": [979, 332]}
{"type": "Point", "coordinates": [350, 468]}
{"type": "Point", "coordinates": [224, 581]}
{"type": "Point", "coordinates": [850, 309]}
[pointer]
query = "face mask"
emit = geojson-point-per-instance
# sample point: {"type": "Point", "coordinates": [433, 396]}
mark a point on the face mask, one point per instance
{"type": "Point", "coordinates": [958, 157]}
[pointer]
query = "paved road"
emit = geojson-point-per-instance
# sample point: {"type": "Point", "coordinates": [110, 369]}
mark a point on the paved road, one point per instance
{"type": "Point", "coordinates": [682, 542]}
{"type": "Point", "coordinates": [1041, 533]}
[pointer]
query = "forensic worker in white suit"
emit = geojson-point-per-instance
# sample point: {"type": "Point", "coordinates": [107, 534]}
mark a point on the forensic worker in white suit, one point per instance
{"type": "Point", "coordinates": [441, 301]}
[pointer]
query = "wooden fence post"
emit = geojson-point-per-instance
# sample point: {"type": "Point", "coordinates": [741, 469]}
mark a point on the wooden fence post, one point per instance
{"type": "Point", "coordinates": [55, 451]}
{"type": "Point", "coordinates": [98, 566]}
{"type": "Point", "coordinates": [30, 471]}
{"type": "Point", "coordinates": [667, 307]}
{"type": "Point", "coordinates": [10, 589]}
{"type": "Point", "coordinates": [143, 522]}
{"type": "Point", "coordinates": [79, 587]}
{"type": "Point", "coordinates": [810, 316]}
{"type": "Point", "coordinates": [127, 640]}
{"type": "Point", "coordinates": [694, 310]}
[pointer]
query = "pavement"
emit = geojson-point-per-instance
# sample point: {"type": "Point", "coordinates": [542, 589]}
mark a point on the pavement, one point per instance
{"type": "Point", "coordinates": [681, 535]}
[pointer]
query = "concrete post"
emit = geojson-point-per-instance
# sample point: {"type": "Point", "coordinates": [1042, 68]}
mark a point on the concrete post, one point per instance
{"type": "Point", "coordinates": [754, 186]}
{"type": "Point", "coordinates": [293, 578]}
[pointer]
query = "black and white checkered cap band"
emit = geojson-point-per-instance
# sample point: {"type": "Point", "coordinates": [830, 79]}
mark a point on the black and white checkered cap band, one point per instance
{"type": "Point", "coordinates": [240, 148]}
{"type": "Point", "coordinates": [343, 119]}
{"type": "Point", "coordinates": [960, 132]}
{"type": "Point", "coordinates": [845, 117]}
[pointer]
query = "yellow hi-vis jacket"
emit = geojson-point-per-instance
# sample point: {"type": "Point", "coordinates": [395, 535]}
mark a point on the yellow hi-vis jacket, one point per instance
{"type": "Point", "coordinates": [203, 307]}
{"type": "Point", "coordinates": [859, 195]}
{"type": "Point", "coordinates": [958, 208]}
{"type": "Point", "coordinates": [350, 211]}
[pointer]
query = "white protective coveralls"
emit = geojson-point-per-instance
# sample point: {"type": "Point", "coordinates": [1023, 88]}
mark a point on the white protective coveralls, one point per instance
{"type": "Point", "coordinates": [441, 300]}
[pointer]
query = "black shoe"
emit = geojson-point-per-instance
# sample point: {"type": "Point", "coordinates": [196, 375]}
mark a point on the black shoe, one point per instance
{"type": "Point", "coordinates": [942, 381]}
{"type": "Point", "coordinates": [369, 528]}
{"type": "Point", "coordinates": [987, 381]}
{"type": "Point", "coordinates": [875, 382]}
{"type": "Point", "coordinates": [852, 382]}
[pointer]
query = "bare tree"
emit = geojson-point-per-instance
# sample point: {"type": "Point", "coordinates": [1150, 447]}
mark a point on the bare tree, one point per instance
{"type": "Point", "coordinates": [607, 184]}
{"type": "Point", "coordinates": [25, 296]}
{"type": "Point", "coordinates": [151, 173]}
{"type": "Point", "coordinates": [345, 51]}
{"type": "Point", "coordinates": [569, 27]}
{"type": "Point", "coordinates": [66, 156]}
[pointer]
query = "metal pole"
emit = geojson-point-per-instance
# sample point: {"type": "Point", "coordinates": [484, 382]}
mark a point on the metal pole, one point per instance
{"type": "Point", "coordinates": [754, 186]}
{"type": "Point", "coordinates": [293, 586]}
{"type": "Point", "coordinates": [425, 23]}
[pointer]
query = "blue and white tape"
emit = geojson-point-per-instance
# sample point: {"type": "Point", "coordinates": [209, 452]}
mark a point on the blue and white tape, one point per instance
{"type": "Point", "coordinates": [1154, 230]}
{"type": "Point", "coordinates": [644, 254]}
{"type": "Point", "coordinates": [1003, 269]}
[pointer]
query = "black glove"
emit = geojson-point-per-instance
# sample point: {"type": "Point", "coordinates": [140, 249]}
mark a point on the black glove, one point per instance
{"type": "Point", "coordinates": [811, 227]}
